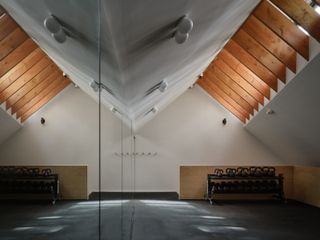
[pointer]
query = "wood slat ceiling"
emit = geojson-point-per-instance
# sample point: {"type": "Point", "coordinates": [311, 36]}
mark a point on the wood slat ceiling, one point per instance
{"type": "Point", "coordinates": [29, 79]}
{"type": "Point", "coordinates": [259, 53]}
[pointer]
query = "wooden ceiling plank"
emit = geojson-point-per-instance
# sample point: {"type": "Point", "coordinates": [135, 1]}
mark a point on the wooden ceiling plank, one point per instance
{"type": "Point", "coordinates": [260, 54]}
{"type": "Point", "coordinates": [21, 81]}
{"type": "Point", "coordinates": [247, 87]}
{"type": "Point", "coordinates": [221, 101]}
{"type": "Point", "coordinates": [211, 85]}
{"type": "Point", "coordinates": [251, 63]}
{"type": "Point", "coordinates": [231, 93]}
{"type": "Point", "coordinates": [11, 42]}
{"type": "Point", "coordinates": [65, 82]}
{"type": "Point", "coordinates": [271, 41]}
{"type": "Point", "coordinates": [35, 91]}
{"type": "Point", "coordinates": [216, 69]}
{"type": "Point", "coordinates": [21, 68]}
{"type": "Point", "coordinates": [27, 87]}
{"type": "Point", "coordinates": [7, 25]}
{"type": "Point", "coordinates": [38, 97]}
{"type": "Point", "coordinates": [16, 56]}
{"type": "Point", "coordinates": [303, 14]}
{"type": "Point", "coordinates": [245, 73]}
{"type": "Point", "coordinates": [283, 27]}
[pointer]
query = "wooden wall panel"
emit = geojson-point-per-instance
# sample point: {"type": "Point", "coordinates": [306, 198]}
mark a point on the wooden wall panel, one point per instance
{"type": "Point", "coordinates": [193, 180]}
{"type": "Point", "coordinates": [11, 42]}
{"type": "Point", "coordinates": [73, 180]}
{"type": "Point", "coordinates": [7, 25]}
{"type": "Point", "coordinates": [307, 185]}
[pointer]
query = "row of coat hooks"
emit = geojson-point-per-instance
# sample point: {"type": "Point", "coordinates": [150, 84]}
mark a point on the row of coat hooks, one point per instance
{"type": "Point", "coordinates": [150, 154]}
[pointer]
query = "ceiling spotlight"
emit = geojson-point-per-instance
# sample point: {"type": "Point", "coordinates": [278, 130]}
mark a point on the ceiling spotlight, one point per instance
{"type": "Point", "coordinates": [181, 37]}
{"type": "Point", "coordinates": [185, 25]}
{"type": "Point", "coordinates": [269, 111]}
{"type": "Point", "coordinates": [163, 86]}
{"type": "Point", "coordinates": [60, 36]}
{"type": "Point", "coordinates": [94, 85]}
{"type": "Point", "coordinates": [52, 24]}
{"type": "Point", "coordinates": [154, 109]}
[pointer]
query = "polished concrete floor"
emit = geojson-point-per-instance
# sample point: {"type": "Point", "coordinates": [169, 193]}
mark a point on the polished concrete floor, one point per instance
{"type": "Point", "coordinates": [159, 220]}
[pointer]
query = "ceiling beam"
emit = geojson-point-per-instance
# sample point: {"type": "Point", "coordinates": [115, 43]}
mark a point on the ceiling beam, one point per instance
{"type": "Point", "coordinates": [35, 91]}
{"type": "Point", "coordinates": [11, 42]}
{"type": "Point", "coordinates": [28, 86]}
{"type": "Point", "coordinates": [217, 68]}
{"type": "Point", "coordinates": [16, 56]}
{"type": "Point", "coordinates": [303, 14]}
{"type": "Point", "coordinates": [245, 73]}
{"type": "Point", "coordinates": [7, 25]}
{"type": "Point", "coordinates": [250, 62]}
{"type": "Point", "coordinates": [211, 76]}
{"type": "Point", "coordinates": [21, 68]}
{"type": "Point", "coordinates": [271, 42]}
{"type": "Point", "coordinates": [65, 82]}
{"type": "Point", "coordinates": [221, 63]}
{"type": "Point", "coordinates": [260, 54]}
{"type": "Point", "coordinates": [211, 91]}
{"type": "Point", "coordinates": [38, 97]}
{"type": "Point", "coordinates": [283, 27]}
{"type": "Point", "coordinates": [26, 77]}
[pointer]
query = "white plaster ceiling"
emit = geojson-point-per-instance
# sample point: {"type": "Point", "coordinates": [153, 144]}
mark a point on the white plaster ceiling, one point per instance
{"type": "Point", "coordinates": [138, 51]}
{"type": "Point", "coordinates": [293, 131]}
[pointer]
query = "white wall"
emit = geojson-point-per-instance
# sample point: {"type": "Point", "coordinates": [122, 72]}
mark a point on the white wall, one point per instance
{"type": "Point", "coordinates": [189, 131]}
{"type": "Point", "coordinates": [8, 125]}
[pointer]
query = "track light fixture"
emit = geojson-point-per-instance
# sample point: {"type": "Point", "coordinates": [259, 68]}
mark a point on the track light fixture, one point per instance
{"type": "Point", "coordinates": [184, 27]}
{"type": "Point", "coordinates": [55, 28]}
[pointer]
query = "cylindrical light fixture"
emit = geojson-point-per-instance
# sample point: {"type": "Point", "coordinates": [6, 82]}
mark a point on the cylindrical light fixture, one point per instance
{"type": "Point", "coordinates": [185, 25]}
{"type": "Point", "coordinates": [181, 37]}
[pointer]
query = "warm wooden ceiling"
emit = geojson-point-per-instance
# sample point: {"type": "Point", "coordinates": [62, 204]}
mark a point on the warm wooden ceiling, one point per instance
{"type": "Point", "coordinates": [28, 78]}
{"type": "Point", "coordinates": [249, 66]}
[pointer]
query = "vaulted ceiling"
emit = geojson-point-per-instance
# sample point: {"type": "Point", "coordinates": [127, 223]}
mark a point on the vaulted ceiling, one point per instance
{"type": "Point", "coordinates": [28, 77]}
{"type": "Point", "coordinates": [262, 52]}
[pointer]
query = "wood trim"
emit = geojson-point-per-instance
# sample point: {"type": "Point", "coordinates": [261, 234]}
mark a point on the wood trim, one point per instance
{"type": "Point", "coordinates": [18, 70]}
{"type": "Point", "coordinates": [270, 41]}
{"type": "Point", "coordinates": [35, 91]}
{"type": "Point", "coordinates": [16, 56]}
{"type": "Point", "coordinates": [217, 69]}
{"type": "Point", "coordinates": [25, 78]}
{"type": "Point", "coordinates": [283, 27]}
{"type": "Point", "coordinates": [65, 82]}
{"type": "Point", "coordinates": [251, 63]}
{"type": "Point", "coordinates": [46, 91]}
{"type": "Point", "coordinates": [7, 25]}
{"type": "Point", "coordinates": [247, 87]}
{"type": "Point", "coordinates": [212, 82]}
{"type": "Point", "coordinates": [260, 54]}
{"type": "Point", "coordinates": [245, 73]}
{"type": "Point", "coordinates": [45, 72]}
{"type": "Point", "coordinates": [223, 102]}
{"type": "Point", "coordinates": [303, 14]}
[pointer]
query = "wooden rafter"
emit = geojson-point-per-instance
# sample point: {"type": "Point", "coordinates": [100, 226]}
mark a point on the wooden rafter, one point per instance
{"type": "Point", "coordinates": [283, 27]}
{"type": "Point", "coordinates": [257, 56]}
{"type": "Point", "coordinates": [28, 78]}
{"type": "Point", "coordinates": [303, 14]}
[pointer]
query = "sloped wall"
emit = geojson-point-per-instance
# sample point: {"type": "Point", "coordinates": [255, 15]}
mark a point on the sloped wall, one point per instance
{"type": "Point", "coordinates": [187, 132]}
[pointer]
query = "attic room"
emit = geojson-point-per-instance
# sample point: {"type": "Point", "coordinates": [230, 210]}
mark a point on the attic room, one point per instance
{"type": "Point", "coordinates": [159, 119]}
